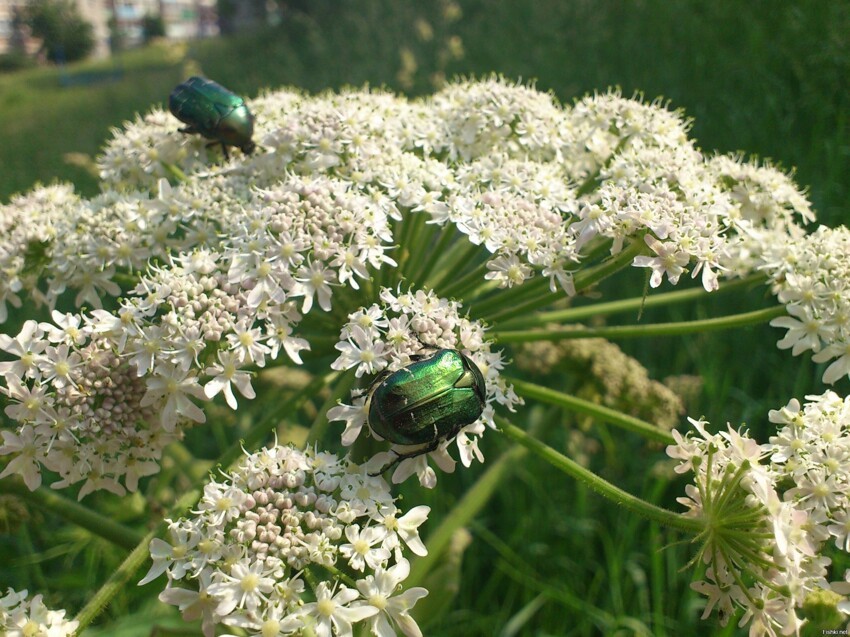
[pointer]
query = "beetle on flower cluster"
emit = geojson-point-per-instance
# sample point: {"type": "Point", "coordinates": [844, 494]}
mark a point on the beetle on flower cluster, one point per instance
{"type": "Point", "coordinates": [427, 402]}
{"type": "Point", "coordinates": [214, 112]}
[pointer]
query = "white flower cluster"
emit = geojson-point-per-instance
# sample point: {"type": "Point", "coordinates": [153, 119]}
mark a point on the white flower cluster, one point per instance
{"type": "Point", "coordinates": [20, 617]}
{"type": "Point", "coordinates": [532, 181]}
{"type": "Point", "coordinates": [216, 271]}
{"type": "Point", "coordinates": [388, 338]}
{"type": "Point", "coordinates": [811, 451]}
{"type": "Point", "coordinates": [767, 213]}
{"type": "Point", "coordinates": [188, 331]}
{"type": "Point", "coordinates": [811, 277]}
{"type": "Point", "coordinates": [759, 552]}
{"type": "Point", "coordinates": [293, 542]}
{"type": "Point", "coordinates": [81, 411]}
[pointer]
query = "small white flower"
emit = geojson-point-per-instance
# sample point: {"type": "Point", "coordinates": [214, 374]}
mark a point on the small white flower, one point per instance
{"type": "Point", "coordinates": [225, 375]}
{"type": "Point", "coordinates": [378, 590]}
{"type": "Point", "coordinates": [671, 261]}
{"type": "Point", "coordinates": [333, 613]}
{"type": "Point", "coordinates": [361, 550]}
{"type": "Point", "coordinates": [175, 387]}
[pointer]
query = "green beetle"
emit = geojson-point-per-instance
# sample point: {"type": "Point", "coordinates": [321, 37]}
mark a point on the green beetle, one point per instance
{"type": "Point", "coordinates": [427, 402]}
{"type": "Point", "coordinates": [214, 112]}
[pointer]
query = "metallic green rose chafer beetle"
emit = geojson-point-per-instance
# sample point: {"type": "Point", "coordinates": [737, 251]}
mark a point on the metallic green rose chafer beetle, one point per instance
{"type": "Point", "coordinates": [427, 402]}
{"type": "Point", "coordinates": [211, 110]}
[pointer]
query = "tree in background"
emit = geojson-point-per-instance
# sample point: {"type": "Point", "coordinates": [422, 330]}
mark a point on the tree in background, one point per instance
{"type": "Point", "coordinates": [153, 27]}
{"type": "Point", "coordinates": [64, 35]}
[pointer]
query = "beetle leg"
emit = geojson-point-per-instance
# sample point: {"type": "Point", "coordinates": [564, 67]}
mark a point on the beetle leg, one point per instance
{"type": "Point", "coordinates": [412, 454]}
{"type": "Point", "coordinates": [189, 130]}
{"type": "Point", "coordinates": [226, 154]}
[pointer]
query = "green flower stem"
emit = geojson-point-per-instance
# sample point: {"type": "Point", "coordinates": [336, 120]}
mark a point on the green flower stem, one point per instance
{"type": "Point", "coordinates": [469, 281]}
{"type": "Point", "coordinates": [133, 562]}
{"type": "Point", "coordinates": [544, 298]}
{"type": "Point", "coordinates": [175, 172]}
{"type": "Point", "coordinates": [473, 501]}
{"type": "Point", "coordinates": [461, 253]}
{"type": "Point", "coordinates": [583, 280]}
{"type": "Point", "coordinates": [117, 581]}
{"type": "Point", "coordinates": [141, 552]}
{"type": "Point", "coordinates": [509, 297]}
{"type": "Point", "coordinates": [573, 314]}
{"type": "Point", "coordinates": [92, 521]}
{"type": "Point", "coordinates": [591, 276]}
{"type": "Point", "coordinates": [125, 280]}
{"type": "Point", "coordinates": [579, 405]}
{"type": "Point", "coordinates": [603, 487]}
{"type": "Point", "coordinates": [409, 227]}
{"type": "Point", "coordinates": [614, 332]}
{"type": "Point", "coordinates": [447, 235]}
{"type": "Point", "coordinates": [420, 239]}
{"type": "Point", "coordinates": [335, 572]}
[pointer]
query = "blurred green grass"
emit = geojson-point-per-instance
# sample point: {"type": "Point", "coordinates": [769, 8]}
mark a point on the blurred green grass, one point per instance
{"type": "Point", "coordinates": [765, 78]}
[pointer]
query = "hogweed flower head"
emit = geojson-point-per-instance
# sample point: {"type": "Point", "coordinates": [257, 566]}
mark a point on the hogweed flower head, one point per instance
{"type": "Point", "coordinates": [811, 277]}
{"type": "Point", "coordinates": [292, 540]}
{"type": "Point", "coordinates": [221, 272]}
{"type": "Point", "coordinates": [769, 511]}
{"type": "Point", "coordinates": [388, 337]}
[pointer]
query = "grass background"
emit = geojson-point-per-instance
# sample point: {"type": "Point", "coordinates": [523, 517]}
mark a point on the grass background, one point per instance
{"type": "Point", "coordinates": [546, 557]}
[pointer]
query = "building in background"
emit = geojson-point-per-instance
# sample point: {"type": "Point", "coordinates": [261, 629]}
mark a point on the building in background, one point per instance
{"type": "Point", "coordinates": [118, 23]}
{"type": "Point", "coordinates": [181, 19]}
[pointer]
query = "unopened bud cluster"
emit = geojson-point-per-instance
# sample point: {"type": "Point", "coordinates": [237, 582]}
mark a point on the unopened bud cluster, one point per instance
{"type": "Point", "coordinates": [293, 541]}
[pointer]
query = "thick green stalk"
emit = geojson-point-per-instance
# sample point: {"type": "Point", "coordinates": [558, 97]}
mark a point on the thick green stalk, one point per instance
{"type": "Point", "coordinates": [410, 225]}
{"type": "Point", "coordinates": [509, 297]}
{"type": "Point", "coordinates": [578, 405]}
{"type": "Point", "coordinates": [175, 172]}
{"type": "Point", "coordinates": [132, 563]}
{"type": "Point", "coordinates": [84, 517]}
{"type": "Point", "coordinates": [545, 298]}
{"type": "Point", "coordinates": [573, 314]}
{"type": "Point", "coordinates": [591, 276]}
{"type": "Point", "coordinates": [418, 242]}
{"type": "Point", "coordinates": [640, 331]}
{"type": "Point", "coordinates": [601, 486]}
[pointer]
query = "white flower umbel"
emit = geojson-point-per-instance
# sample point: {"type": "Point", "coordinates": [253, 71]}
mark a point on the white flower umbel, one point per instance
{"type": "Point", "coordinates": [811, 277]}
{"type": "Point", "coordinates": [82, 411]}
{"type": "Point", "coordinates": [292, 541]}
{"type": "Point", "coordinates": [811, 453]}
{"type": "Point", "coordinates": [486, 184]}
{"type": "Point", "coordinates": [22, 617]}
{"type": "Point", "coordinates": [388, 337]}
{"type": "Point", "coordinates": [760, 546]}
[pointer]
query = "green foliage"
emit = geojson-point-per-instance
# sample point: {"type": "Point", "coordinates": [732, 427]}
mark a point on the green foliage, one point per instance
{"type": "Point", "coordinates": [65, 36]}
{"type": "Point", "coordinates": [153, 27]}
{"type": "Point", "coordinates": [10, 62]}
